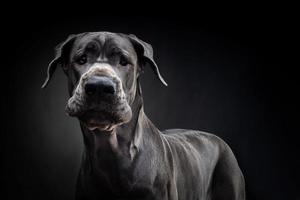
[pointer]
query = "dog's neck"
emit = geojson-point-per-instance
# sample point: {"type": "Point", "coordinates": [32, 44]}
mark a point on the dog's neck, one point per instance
{"type": "Point", "coordinates": [119, 147]}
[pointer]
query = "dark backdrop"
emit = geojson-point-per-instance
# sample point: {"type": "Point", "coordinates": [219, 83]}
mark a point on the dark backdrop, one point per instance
{"type": "Point", "coordinates": [230, 76]}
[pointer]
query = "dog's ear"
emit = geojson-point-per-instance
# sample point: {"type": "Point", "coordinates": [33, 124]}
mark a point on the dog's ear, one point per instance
{"type": "Point", "coordinates": [61, 55]}
{"type": "Point", "coordinates": [146, 51]}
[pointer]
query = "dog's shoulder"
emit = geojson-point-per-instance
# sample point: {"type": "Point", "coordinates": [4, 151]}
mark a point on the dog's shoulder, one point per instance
{"type": "Point", "coordinates": [193, 136]}
{"type": "Point", "coordinates": [202, 141]}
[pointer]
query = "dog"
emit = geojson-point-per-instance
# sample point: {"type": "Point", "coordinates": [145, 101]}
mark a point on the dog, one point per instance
{"type": "Point", "coordinates": [125, 155]}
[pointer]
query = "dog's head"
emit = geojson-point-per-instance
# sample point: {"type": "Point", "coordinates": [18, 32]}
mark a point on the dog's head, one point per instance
{"type": "Point", "coordinates": [102, 70]}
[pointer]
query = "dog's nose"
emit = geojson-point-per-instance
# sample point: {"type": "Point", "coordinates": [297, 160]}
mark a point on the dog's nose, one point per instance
{"type": "Point", "coordinates": [100, 86]}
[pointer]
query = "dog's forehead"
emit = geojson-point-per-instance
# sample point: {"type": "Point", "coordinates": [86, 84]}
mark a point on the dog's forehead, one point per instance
{"type": "Point", "coordinates": [104, 39]}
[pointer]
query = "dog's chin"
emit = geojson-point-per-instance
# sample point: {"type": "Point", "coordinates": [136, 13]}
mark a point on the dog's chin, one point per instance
{"type": "Point", "coordinates": [104, 121]}
{"type": "Point", "coordinates": [94, 124]}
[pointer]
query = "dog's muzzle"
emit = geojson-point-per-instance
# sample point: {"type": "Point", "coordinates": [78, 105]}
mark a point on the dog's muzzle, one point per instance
{"type": "Point", "coordinates": [99, 100]}
{"type": "Point", "coordinates": [99, 87]}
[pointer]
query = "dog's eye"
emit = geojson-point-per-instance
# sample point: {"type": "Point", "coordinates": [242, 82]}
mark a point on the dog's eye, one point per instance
{"type": "Point", "coordinates": [82, 59]}
{"type": "Point", "coordinates": [123, 61]}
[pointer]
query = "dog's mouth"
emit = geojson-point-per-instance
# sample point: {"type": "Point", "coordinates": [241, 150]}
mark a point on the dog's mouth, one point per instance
{"type": "Point", "coordinates": [103, 120]}
{"type": "Point", "coordinates": [94, 124]}
{"type": "Point", "coordinates": [103, 117]}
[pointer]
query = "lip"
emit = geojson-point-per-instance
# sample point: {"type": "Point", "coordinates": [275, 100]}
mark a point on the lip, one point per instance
{"type": "Point", "coordinates": [93, 124]}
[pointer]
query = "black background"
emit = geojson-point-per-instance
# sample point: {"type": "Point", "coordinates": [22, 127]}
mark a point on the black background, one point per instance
{"type": "Point", "coordinates": [230, 75]}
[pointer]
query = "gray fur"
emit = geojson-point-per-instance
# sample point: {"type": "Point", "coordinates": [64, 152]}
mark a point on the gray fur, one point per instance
{"type": "Point", "coordinates": [132, 159]}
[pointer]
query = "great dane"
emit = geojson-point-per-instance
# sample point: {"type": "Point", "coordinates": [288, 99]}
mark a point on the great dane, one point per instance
{"type": "Point", "coordinates": [125, 155]}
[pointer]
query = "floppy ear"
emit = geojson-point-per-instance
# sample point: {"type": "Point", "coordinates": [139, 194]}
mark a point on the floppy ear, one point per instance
{"type": "Point", "coordinates": [147, 53]}
{"type": "Point", "coordinates": [61, 51]}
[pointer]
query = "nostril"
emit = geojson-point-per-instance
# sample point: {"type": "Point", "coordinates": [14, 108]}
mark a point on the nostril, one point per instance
{"type": "Point", "coordinates": [90, 89]}
{"type": "Point", "coordinates": [109, 89]}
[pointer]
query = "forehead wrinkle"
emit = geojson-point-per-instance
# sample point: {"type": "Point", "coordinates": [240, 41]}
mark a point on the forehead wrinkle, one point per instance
{"type": "Point", "coordinates": [118, 50]}
{"type": "Point", "coordinates": [120, 45]}
{"type": "Point", "coordinates": [106, 41]}
{"type": "Point", "coordinates": [81, 44]}
{"type": "Point", "coordinates": [85, 38]}
{"type": "Point", "coordinates": [120, 42]}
